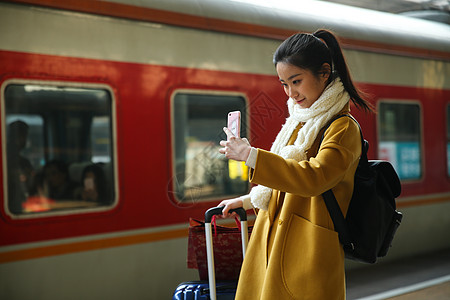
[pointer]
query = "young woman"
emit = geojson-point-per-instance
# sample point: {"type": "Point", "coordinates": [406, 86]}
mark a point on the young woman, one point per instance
{"type": "Point", "coordinates": [294, 252]}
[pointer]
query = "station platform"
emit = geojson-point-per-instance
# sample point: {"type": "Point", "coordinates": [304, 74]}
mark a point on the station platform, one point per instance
{"type": "Point", "coordinates": [422, 277]}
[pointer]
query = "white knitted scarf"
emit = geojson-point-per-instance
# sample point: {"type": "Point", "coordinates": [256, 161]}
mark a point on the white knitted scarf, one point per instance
{"type": "Point", "coordinates": [329, 104]}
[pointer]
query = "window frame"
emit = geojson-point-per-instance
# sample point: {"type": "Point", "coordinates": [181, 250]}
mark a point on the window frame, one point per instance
{"type": "Point", "coordinates": [447, 137]}
{"type": "Point", "coordinates": [421, 134]}
{"type": "Point", "coordinates": [244, 120]}
{"type": "Point", "coordinates": [114, 149]}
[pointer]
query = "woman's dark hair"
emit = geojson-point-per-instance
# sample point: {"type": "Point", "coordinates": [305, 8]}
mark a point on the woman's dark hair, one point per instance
{"type": "Point", "coordinates": [311, 51]}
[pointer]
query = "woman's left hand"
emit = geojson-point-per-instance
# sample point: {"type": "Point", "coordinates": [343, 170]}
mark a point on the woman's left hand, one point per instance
{"type": "Point", "coordinates": [235, 148]}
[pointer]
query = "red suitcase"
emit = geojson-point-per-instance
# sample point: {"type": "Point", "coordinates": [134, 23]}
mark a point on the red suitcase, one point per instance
{"type": "Point", "coordinates": [201, 290]}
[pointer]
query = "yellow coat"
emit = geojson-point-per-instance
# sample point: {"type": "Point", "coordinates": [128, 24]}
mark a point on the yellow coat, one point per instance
{"type": "Point", "coordinates": [294, 252]}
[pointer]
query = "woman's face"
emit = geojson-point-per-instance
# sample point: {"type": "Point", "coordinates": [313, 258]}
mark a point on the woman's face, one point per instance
{"type": "Point", "coordinates": [300, 84]}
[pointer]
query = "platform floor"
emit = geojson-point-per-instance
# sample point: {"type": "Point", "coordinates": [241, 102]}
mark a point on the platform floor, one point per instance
{"type": "Point", "coordinates": [422, 277]}
{"type": "Point", "coordinates": [440, 291]}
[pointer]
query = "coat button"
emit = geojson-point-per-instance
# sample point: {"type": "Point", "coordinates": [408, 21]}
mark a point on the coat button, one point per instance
{"type": "Point", "coordinates": [280, 222]}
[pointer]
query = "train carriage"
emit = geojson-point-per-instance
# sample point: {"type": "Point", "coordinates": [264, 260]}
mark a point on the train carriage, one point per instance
{"type": "Point", "coordinates": [130, 97]}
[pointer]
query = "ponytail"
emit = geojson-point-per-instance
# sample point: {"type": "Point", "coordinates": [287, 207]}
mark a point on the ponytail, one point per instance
{"type": "Point", "coordinates": [311, 51]}
{"type": "Point", "coordinates": [340, 67]}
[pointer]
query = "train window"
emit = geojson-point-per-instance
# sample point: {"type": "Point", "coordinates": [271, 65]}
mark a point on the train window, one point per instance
{"type": "Point", "coordinates": [448, 139]}
{"type": "Point", "coordinates": [200, 171]}
{"type": "Point", "coordinates": [400, 137]}
{"type": "Point", "coordinates": [58, 147]}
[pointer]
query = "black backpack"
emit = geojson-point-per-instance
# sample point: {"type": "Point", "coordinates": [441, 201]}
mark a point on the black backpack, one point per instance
{"type": "Point", "coordinates": [369, 227]}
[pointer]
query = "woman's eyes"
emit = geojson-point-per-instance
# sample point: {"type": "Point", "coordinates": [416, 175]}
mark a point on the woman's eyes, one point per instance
{"type": "Point", "coordinates": [295, 82]}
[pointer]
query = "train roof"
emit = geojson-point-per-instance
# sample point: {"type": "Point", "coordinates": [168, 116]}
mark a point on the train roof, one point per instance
{"type": "Point", "coordinates": [357, 28]}
{"type": "Point", "coordinates": [309, 15]}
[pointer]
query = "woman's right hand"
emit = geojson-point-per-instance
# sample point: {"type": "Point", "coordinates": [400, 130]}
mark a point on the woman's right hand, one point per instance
{"type": "Point", "coordinates": [230, 204]}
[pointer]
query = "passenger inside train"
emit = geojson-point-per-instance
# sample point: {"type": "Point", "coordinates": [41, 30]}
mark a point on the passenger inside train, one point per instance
{"type": "Point", "coordinates": [20, 170]}
{"type": "Point", "coordinates": [94, 186]}
{"type": "Point", "coordinates": [57, 177]}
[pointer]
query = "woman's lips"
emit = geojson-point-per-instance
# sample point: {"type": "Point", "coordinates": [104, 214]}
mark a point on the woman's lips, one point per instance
{"type": "Point", "coordinates": [299, 101]}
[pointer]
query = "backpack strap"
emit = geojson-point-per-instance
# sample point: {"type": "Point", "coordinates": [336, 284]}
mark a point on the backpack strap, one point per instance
{"type": "Point", "coordinates": [330, 200]}
{"type": "Point", "coordinates": [364, 143]}
{"type": "Point", "coordinates": [360, 131]}
{"type": "Point", "coordinates": [338, 219]}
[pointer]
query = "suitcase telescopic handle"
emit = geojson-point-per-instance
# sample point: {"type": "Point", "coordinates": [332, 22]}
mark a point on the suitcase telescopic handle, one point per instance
{"type": "Point", "coordinates": [218, 211]}
{"type": "Point", "coordinates": [209, 243]}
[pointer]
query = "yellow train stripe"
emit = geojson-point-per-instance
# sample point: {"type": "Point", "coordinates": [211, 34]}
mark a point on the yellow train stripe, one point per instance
{"type": "Point", "coordinates": [423, 201]}
{"type": "Point", "coordinates": [46, 251]}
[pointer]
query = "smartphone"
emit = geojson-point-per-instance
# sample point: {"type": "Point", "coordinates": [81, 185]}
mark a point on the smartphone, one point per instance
{"type": "Point", "coordinates": [234, 122]}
